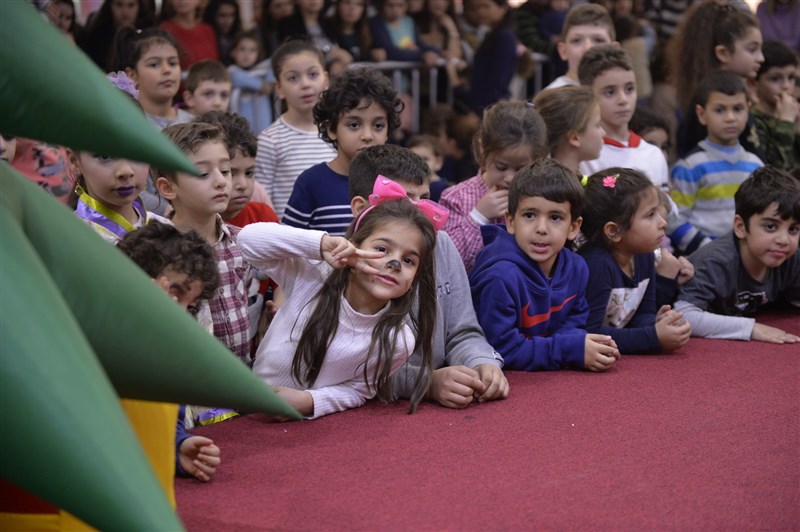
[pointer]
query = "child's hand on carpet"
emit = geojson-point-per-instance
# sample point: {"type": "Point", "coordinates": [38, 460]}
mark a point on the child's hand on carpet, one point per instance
{"type": "Point", "coordinates": [599, 352]}
{"type": "Point", "coordinates": [773, 335]}
{"type": "Point", "coordinates": [672, 330]}
{"type": "Point", "coordinates": [455, 386]}
{"type": "Point", "coordinates": [300, 400]}
{"type": "Point", "coordinates": [199, 457]}
{"type": "Point", "coordinates": [496, 383]}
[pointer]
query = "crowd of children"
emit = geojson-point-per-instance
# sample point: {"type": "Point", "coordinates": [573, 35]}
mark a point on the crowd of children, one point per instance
{"type": "Point", "coordinates": [570, 244]}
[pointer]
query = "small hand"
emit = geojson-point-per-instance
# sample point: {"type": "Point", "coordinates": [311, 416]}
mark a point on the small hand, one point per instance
{"type": "Point", "coordinates": [340, 252]}
{"type": "Point", "coordinates": [787, 107]}
{"type": "Point", "coordinates": [494, 204]}
{"type": "Point", "coordinates": [672, 330]}
{"type": "Point", "coordinates": [455, 386]}
{"type": "Point", "coordinates": [199, 457]}
{"type": "Point", "coordinates": [495, 382]}
{"type": "Point", "coordinates": [773, 335]}
{"type": "Point", "coordinates": [662, 312]}
{"type": "Point", "coordinates": [687, 271]}
{"type": "Point", "coordinates": [300, 400]}
{"type": "Point", "coordinates": [600, 352]}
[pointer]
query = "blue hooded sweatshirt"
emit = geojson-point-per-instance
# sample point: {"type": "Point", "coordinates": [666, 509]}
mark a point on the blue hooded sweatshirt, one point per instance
{"type": "Point", "coordinates": [534, 322]}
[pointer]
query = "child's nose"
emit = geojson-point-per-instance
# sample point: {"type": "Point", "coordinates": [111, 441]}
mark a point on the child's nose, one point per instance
{"type": "Point", "coordinates": [124, 168]}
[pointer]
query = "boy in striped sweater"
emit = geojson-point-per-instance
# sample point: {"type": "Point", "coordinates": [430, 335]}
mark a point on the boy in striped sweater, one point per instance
{"type": "Point", "coordinates": [704, 182]}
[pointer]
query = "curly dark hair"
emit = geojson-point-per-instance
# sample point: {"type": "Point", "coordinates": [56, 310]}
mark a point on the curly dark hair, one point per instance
{"type": "Point", "coordinates": [356, 87]}
{"type": "Point", "coordinates": [158, 247]}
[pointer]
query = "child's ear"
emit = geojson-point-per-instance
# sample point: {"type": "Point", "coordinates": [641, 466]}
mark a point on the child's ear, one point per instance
{"type": "Point", "coordinates": [612, 232]}
{"type": "Point", "coordinates": [131, 73]}
{"type": "Point", "coordinates": [188, 99]}
{"type": "Point", "coordinates": [278, 90]}
{"type": "Point", "coordinates": [358, 205]}
{"type": "Point", "coordinates": [331, 132]}
{"type": "Point", "coordinates": [166, 188]}
{"type": "Point", "coordinates": [701, 114]}
{"type": "Point", "coordinates": [510, 223]}
{"type": "Point", "coordinates": [738, 227]}
{"type": "Point", "coordinates": [438, 162]}
{"type": "Point", "coordinates": [561, 46]}
{"type": "Point", "coordinates": [722, 54]}
{"type": "Point", "coordinates": [574, 228]}
{"type": "Point", "coordinates": [573, 139]}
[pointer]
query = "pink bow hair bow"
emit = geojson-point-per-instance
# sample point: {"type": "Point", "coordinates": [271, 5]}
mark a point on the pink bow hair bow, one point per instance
{"type": "Point", "coordinates": [387, 190]}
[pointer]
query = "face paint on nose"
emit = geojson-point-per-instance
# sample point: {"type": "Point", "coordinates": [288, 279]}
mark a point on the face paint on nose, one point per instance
{"type": "Point", "coordinates": [394, 264]}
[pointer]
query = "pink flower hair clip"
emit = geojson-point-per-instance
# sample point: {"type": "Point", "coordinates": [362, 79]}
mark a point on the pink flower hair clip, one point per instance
{"type": "Point", "coordinates": [610, 181]}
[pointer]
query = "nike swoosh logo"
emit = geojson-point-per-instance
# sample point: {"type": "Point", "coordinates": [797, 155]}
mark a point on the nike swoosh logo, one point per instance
{"type": "Point", "coordinates": [536, 319]}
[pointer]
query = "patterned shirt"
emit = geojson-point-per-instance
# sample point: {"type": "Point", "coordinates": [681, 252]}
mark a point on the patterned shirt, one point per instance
{"type": "Point", "coordinates": [463, 228]}
{"type": "Point", "coordinates": [229, 304]}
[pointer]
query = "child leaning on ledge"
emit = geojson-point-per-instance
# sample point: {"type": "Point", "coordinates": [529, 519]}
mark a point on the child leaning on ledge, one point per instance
{"type": "Point", "coordinates": [754, 266]}
{"type": "Point", "coordinates": [529, 292]}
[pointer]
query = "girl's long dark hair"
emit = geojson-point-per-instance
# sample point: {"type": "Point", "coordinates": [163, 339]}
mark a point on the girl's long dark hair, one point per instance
{"type": "Point", "coordinates": [323, 323]}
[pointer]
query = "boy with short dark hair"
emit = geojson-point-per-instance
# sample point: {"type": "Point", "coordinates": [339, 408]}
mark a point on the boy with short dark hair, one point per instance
{"type": "Point", "coordinates": [197, 203]}
{"type": "Point", "coordinates": [208, 87]}
{"type": "Point", "coordinates": [466, 366]}
{"type": "Point", "coordinates": [753, 266]}
{"type": "Point", "coordinates": [776, 111]}
{"type": "Point", "coordinates": [607, 70]}
{"type": "Point", "coordinates": [705, 181]}
{"type": "Point", "coordinates": [529, 292]}
{"type": "Point", "coordinates": [360, 109]}
{"type": "Point", "coordinates": [586, 25]}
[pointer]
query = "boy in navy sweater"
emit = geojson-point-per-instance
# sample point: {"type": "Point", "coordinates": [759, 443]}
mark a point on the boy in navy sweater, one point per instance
{"type": "Point", "coordinates": [528, 291]}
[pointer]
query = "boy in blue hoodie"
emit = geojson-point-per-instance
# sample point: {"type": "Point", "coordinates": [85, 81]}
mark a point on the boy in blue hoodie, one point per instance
{"type": "Point", "coordinates": [528, 291]}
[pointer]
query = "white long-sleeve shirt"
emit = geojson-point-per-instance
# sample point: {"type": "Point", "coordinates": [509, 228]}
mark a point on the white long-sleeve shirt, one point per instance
{"type": "Point", "coordinates": [291, 257]}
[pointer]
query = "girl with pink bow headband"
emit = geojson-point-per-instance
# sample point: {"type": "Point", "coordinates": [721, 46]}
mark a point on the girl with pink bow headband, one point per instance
{"type": "Point", "coordinates": [348, 322]}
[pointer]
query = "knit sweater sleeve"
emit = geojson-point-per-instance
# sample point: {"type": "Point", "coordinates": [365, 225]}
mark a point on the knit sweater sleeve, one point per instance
{"type": "Point", "coordinates": [268, 246]}
{"type": "Point", "coordinates": [355, 392]}
{"type": "Point", "coordinates": [685, 182]}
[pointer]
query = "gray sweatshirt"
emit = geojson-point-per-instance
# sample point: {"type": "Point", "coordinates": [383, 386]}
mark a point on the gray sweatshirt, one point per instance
{"type": "Point", "coordinates": [458, 340]}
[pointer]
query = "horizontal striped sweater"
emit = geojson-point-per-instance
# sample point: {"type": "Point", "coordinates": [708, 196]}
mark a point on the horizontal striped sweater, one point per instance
{"type": "Point", "coordinates": [702, 186]}
{"type": "Point", "coordinates": [284, 152]}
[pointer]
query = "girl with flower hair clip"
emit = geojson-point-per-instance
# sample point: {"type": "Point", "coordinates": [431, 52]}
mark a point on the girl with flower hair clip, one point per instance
{"type": "Point", "coordinates": [623, 224]}
{"type": "Point", "coordinates": [347, 322]}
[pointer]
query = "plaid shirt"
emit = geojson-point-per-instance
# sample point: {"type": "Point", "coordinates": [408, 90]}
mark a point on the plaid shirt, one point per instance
{"type": "Point", "coordinates": [462, 229]}
{"type": "Point", "coordinates": [229, 304]}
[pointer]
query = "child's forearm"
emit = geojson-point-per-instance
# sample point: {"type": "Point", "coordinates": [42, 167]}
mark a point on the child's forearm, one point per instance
{"type": "Point", "coordinates": [709, 325]}
{"type": "Point", "coordinates": [264, 243]}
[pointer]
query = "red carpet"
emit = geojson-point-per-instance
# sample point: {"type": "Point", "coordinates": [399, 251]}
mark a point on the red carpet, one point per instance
{"type": "Point", "coordinates": [704, 439]}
